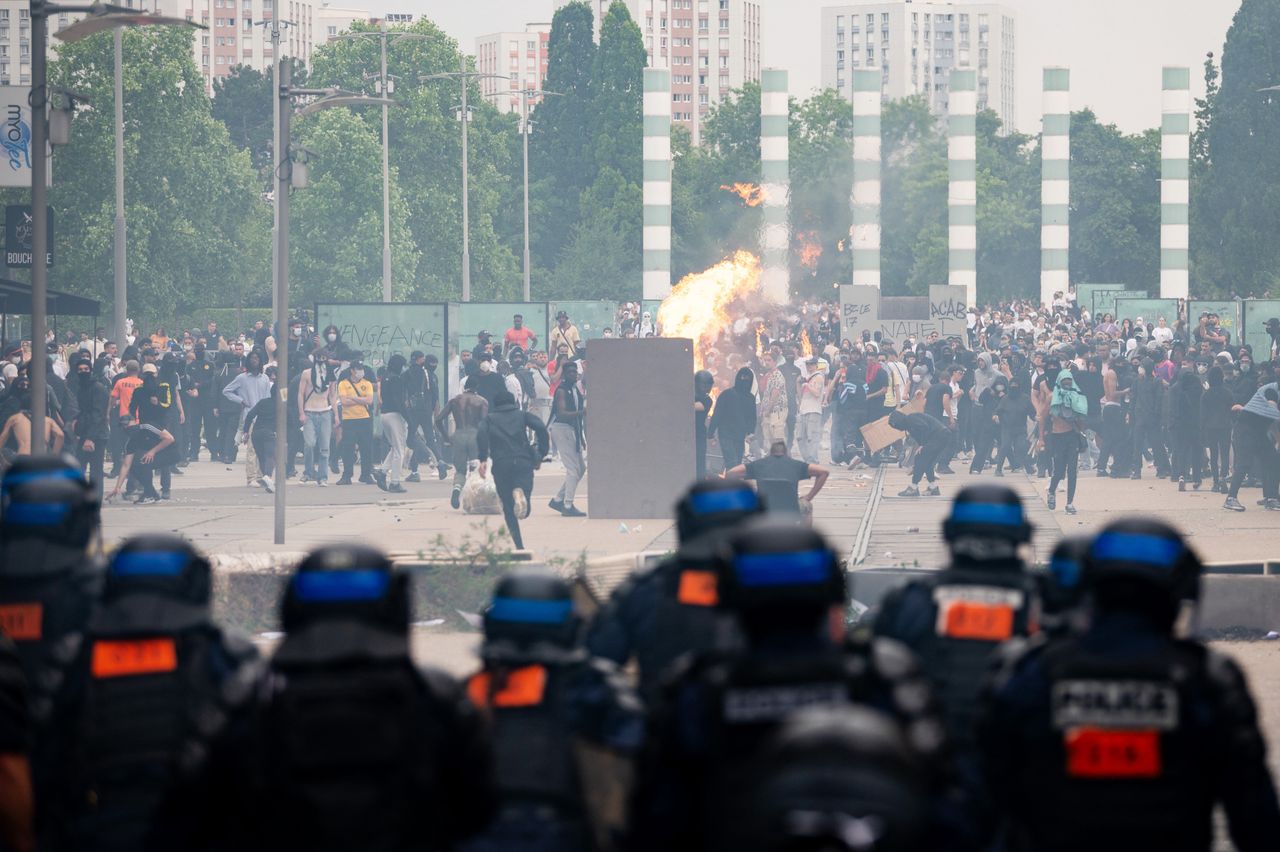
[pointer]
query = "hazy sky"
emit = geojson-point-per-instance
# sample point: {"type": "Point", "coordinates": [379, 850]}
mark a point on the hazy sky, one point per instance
{"type": "Point", "coordinates": [1115, 48]}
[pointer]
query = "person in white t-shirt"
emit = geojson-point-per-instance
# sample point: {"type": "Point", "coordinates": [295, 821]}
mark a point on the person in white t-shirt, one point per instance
{"type": "Point", "coordinates": [1161, 333]}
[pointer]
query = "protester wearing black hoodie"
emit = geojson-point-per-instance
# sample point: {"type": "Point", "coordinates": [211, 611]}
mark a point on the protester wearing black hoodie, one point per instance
{"type": "Point", "coordinates": [90, 433]}
{"type": "Point", "coordinates": [226, 368]}
{"type": "Point", "coordinates": [703, 382]}
{"type": "Point", "coordinates": [734, 418]}
{"type": "Point", "coordinates": [1184, 429]}
{"type": "Point", "coordinates": [504, 436]}
{"type": "Point", "coordinates": [1215, 425]}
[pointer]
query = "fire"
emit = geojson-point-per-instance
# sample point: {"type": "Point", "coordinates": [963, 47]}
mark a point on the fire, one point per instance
{"type": "Point", "coordinates": [751, 194]}
{"type": "Point", "coordinates": [810, 249]}
{"type": "Point", "coordinates": [759, 339]}
{"type": "Point", "coordinates": [699, 306]}
{"type": "Point", "coordinates": [806, 348]}
{"type": "Point", "coordinates": [840, 246]}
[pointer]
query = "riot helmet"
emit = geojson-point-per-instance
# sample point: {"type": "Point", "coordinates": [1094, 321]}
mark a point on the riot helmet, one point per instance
{"type": "Point", "coordinates": [53, 509]}
{"type": "Point", "coordinates": [772, 571]}
{"type": "Point", "coordinates": [160, 564]}
{"type": "Point", "coordinates": [532, 606]}
{"type": "Point", "coordinates": [1062, 581]}
{"type": "Point", "coordinates": [1144, 565]}
{"type": "Point", "coordinates": [986, 525]}
{"type": "Point", "coordinates": [839, 778]}
{"type": "Point", "coordinates": [346, 582]}
{"type": "Point", "coordinates": [26, 469]}
{"type": "Point", "coordinates": [715, 504]}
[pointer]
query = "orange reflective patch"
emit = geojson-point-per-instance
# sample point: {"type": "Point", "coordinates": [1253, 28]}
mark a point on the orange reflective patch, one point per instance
{"type": "Point", "coordinates": [523, 687]}
{"type": "Point", "coordinates": [698, 588]}
{"type": "Point", "coordinates": [1098, 753]}
{"type": "Point", "coordinates": [134, 657]}
{"type": "Point", "coordinates": [22, 622]}
{"type": "Point", "coordinates": [970, 620]}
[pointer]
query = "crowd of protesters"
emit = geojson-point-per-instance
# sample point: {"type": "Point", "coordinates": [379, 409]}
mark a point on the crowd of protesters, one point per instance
{"type": "Point", "coordinates": [147, 409]}
{"type": "Point", "coordinates": [1050, 390]}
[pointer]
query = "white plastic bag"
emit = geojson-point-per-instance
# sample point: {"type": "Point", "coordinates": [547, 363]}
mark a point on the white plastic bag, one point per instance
{"type": "Point", "coordinates": [479, 493]}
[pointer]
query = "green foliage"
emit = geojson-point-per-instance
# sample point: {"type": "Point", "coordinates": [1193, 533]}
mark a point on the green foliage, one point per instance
{"type": "Point", "coordinates": [1236, 201]}
{"type": "Point", "coordinates": [244, 103]}
{"type": "Point", "coordinates": [198, 227]}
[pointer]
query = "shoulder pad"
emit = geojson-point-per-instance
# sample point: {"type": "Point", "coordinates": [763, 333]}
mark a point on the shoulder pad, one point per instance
{"type": "Point", "coordinates": [239, 646]}
{"type": "Point", "coordinates": [1011, 655]}
{"type": "Point", "coordinates": [1222, 670]}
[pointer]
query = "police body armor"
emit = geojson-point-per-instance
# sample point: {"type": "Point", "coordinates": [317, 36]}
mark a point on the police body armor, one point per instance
{"type": "Point", "coordinates": [685, 618]}
{"type": "Point", "coordinates": [972, 613]}
{"type": "Point", "coordinates": [751, 697]}
{"type": "Point", "coordinates": [535, 770]}
{"type": "Point", "coordinates": [347, 723]}
{"type": "Point", "coordinates": [1121, 727]}
{"type": "Point", "coordinates": [48, 580]}
{"type": "Point", "coordinates": [153, 685]}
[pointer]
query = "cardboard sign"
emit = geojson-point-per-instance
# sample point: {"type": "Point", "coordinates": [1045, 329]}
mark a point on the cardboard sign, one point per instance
{"type": "Point", "coordinates": [878, 434]}
{"type": "Point", "coordinates": [1099, 753]}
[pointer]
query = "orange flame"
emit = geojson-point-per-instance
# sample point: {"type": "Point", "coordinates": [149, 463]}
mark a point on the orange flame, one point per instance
{"type": "Point", "coordinates": [810, 249]}
{"type": "Point", "coordinates": [806, 348]}
{"type": "Point", "coordinates": [759, 339]}
{"type": "Point", "coordinates": [698, 307]}
{"type": "Point", "coordinates": [751, 194]}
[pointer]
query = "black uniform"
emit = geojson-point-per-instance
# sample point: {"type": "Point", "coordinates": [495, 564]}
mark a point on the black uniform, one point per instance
{"type": "Point", "coordinates": [550, 705]}
{"type": "Point", "coordinates": [153, 683]}
{"type": "Point", "coordinates": [199, 402]}
{"type": "Point", "coordinates": [345, 744]}
{"type": "Point", "coordinates": [1125, 737]}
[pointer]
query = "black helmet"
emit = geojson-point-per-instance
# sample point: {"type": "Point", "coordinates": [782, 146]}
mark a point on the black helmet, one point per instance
{"type": "Point", "coordinates": [987, 511]}
{"type": "Point", "coordinates": [31, 468]}
{"type": "Point", "coordinates": [715, 504]}
{"type": "Point", "coordinates": [351, 582]}
{"type": "Point", "coordinates": [161, 564]}
{"type": "Point", "coordinates": [837, 778]}
{"type": "Point", "coordinates": [532, 606]}
{"type": "Point", "coordinates": [770, 566]}
{"type": "Point", "coordinates": [1145, 552]}
{"type": "Point", "coordinates": [1062, 581]}
{"type": "Point", "coordinates": [53, 509]}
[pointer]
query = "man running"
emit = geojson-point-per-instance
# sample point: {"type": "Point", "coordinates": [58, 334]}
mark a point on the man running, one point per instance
{"type": "Point", "coordinates": [467, 411]}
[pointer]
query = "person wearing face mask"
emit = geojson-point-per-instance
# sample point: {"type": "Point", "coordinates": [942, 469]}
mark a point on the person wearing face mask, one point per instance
{"type": "Point", "coordinates": [243, 393]}
{"type": "Point", "coordinates": [1256, 452]}
{"type": "Point", "coordinates": [703, 382]}
{"type": "Point", "coordinates": [356, 395]}
{"type": "Point", "coordinates": [1061, 434]}
{"type": "Point", "coordinates": [1148, 402]}
{"type": "Point", "coordinates": [1215, 423]}
{"type": "Point", "coordinates": [198, 401]}
{"type": "Point", "coordinates": [90, 431]}
{"type": "Point", "coordinates": [1184, 429]}
{"type": "Point", "coordinates": [486, 379]}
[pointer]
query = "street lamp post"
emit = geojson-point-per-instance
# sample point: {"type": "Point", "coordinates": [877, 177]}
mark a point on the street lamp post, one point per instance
{"type": "Point", "coordinates": [464, 115]}
{"type": "Point", "coordinates": [100, 17]}
{"type": "Point", "coordinates": [525, 129]}
{"type": "Point", "coordinates": [284, 171]}
{"type": "Point", "coordinates": [385, 88]}
{"type": "Point", "coordinates": [276, 25]}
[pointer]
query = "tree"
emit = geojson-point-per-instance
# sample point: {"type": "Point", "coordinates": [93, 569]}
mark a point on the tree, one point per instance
{"type": "Point", "coordinates": [198, 227]}
{"type": "Point", "coordinates": [913, 211]}
{"type": "Point", "coordinates": [336, 222]}
{"type": "Point", "coordinates": [1008, 213]}
{"type": "Point", "coordinates": [560, 151]}
{"type": "Point", "coordinates": [1115, 204]}
{"type": "Point", "coordinates": [244, 103]}
{"type": "Point", "coordinates": [1238, 203]}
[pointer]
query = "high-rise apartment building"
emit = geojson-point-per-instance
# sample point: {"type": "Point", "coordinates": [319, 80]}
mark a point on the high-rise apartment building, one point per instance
{"type": "Point", "coordinates": [710, 47]}
{"type": "Point", "coordinates": [235, 38]}
{"type": "Point", "coordinates": [521, 57]}
{"type": "Point", "coordinates": [916, 44]}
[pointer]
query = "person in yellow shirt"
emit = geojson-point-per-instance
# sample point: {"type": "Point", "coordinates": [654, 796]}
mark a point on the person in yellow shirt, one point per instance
{"type": "Point", "coordinates": [355, 395]}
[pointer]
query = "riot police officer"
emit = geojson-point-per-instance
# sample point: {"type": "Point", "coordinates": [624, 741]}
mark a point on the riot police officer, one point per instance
{"type": "Point", "coordinates": [152, 684]}
{"type": "Point", "coordinates": [784, 586]}
{"type": "Point", "coordinates": [48, 580]}
{"type": "Point", "coordinates": [549, 704]}
{"type": "Point", "coordinates": [1124, 736]}
{"type": "Point", "coordinates": [956, 618]}
{"type": "Point", "coordinates": [658, 615]}
{"type": "Point", "coordinates": [17, 808]}
{"type": "Point", "coordinates": [346, 744]}
{"type": "Point", "coordinates": [1061, 586]}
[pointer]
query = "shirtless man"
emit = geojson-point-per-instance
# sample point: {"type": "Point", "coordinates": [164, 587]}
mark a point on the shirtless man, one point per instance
{"type": "Point", "coordinates": [19, 426]}
{"type": "Point", "coordinates": [468, 409]}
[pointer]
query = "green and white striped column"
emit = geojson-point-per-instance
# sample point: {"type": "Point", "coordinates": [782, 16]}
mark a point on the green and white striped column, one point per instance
{"type": "Point", "coordinates": [865, 236]}
{"type": "Point", "coordinates": [775, 184]}
{"type": "Point", "coordinates": [962, 186]}
{"type": "Point", "coordinates": [1175, 184]}
{"type": "Point", "coordinates": [1055, 185]}
{"type": "Point", "coordinates": [657, 183]}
